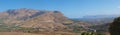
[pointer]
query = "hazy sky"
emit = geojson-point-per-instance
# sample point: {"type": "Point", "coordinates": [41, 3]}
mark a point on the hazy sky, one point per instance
{"type": "Point", "coordinates": [70, 8]}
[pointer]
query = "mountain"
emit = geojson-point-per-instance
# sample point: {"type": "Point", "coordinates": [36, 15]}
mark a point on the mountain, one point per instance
{"type": "Point", "coordinates": [35, 21]}
{"type": "Point", "coordinates": [41, 20]}
{"type": "Point", "coordinates": [48, 20]}
{"type": "Point", "coordinates": [98, 19]}
{"type": "Point", "coordinates": [19, 15]}
{"type": "Point", "coordinates": [100, 16]}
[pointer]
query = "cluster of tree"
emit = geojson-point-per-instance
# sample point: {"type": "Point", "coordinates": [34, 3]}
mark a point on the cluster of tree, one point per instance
{"type": "Point", "coordinates": [89, 33]}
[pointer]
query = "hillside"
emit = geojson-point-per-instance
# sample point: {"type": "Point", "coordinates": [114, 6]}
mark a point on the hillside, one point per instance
{"type": "Point", "coordinates": [115, 26]}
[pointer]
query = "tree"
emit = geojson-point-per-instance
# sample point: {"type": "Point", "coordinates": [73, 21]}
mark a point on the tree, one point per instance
{"type": "Point", "coordinates": [84, 33]}
{"type": "Point", "coordinates": [114, 28]}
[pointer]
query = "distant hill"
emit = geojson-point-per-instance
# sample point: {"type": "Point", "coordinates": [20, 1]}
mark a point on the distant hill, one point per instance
{"type": "Point", "coordinates": [98, 19]}
{"type": "Point", "coordinates": [101, 28]}
{"type": "Point", "coordinates": [99, 22]}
